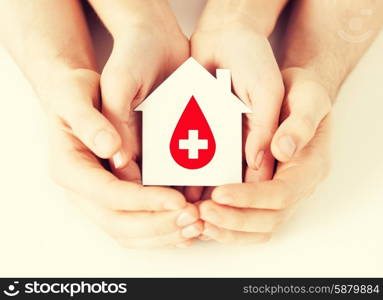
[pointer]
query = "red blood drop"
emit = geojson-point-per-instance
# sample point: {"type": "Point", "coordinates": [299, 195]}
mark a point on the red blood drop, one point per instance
{"type": "Point", "coordinates": [192, 144]}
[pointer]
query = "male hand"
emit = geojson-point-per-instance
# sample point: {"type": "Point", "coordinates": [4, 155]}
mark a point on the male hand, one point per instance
{"type": "Point", "coordinates": [252, 211]}
{"type": "Point", "coordinates": [136, 216]}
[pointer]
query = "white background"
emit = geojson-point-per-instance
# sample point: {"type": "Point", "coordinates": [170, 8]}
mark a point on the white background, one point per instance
{"type": "Point", "coordinates": [337, 232]}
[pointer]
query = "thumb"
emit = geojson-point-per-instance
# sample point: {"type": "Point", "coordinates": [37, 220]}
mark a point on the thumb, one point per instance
{"type": "Point", "coordinates": [119, 89]}
{"type": "Point", "coordinates": [76, 108]}
{"type": "Point", "coordinates": [95, 131]}
{"type": "Point", "coordinates": [307, 103]}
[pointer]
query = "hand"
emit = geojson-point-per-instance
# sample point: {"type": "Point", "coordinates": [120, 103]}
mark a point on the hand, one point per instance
{"type": "Point", "coordinates": [136, 216]}
{"type": "Point", "coordinates": [256, 80]}
{"type": "Point", "coordinates": [250, 212]}
{"type": "Point", "coordinates": [148, 47]}
{"type": "Point", "coordinates": [240, 47]}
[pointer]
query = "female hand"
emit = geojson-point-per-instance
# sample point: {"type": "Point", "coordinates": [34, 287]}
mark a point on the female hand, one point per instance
{"type": "Point", "coordinates": [230, 36]}
{"type": "Point", "coordinates": [234, 36]}
{"type": "Point", "coordinates": [148, 46]}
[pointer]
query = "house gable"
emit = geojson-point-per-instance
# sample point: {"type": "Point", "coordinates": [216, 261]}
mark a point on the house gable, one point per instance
{"type": "Point", "coordinates": [196, 80]}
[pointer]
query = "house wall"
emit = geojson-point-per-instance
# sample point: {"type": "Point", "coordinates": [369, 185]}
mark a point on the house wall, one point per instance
{"type": "Point", "coordinates": [159, 168]}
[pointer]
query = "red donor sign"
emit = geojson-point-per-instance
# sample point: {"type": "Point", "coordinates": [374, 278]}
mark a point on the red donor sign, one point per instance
{"type": "Point", "coordinates": [192, 145]}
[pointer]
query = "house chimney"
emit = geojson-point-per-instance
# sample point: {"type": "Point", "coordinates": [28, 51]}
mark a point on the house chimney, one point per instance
{"type": "Point", "coordinates": [224, 79]}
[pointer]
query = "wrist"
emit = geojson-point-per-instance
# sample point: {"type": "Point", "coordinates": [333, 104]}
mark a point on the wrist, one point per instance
{"type": "Point", "coordinates": [255, 15]}
{"type": "Point", "coordinates": [328, 78]}
{"type": "Point", "coordinates": [52, 80]}
{"type": "Point", "coordinates": [148, 16]}
{"type": "Point", "coordinates": [312, 76]}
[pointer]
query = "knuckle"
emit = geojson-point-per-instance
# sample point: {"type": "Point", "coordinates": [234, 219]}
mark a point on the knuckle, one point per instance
{"type": "Point", "coordinates": [323, 98]}
{"type": "Point", "coordinates": [79, 119]}
{"type": "Point", "coordinates": [265, 130]}
{"type": "Point", "coordinates": [227, 239]}
{"type": "Point", "coordinates": [277, 219]}
{"type": "Point", "coordinates": [306, 124]}
{"type": "Point", "coordinates": [224, 236]}
{"type": "Point", "coordinates": [284, 200]}
{"type": "Point", "coordinates": [265, 238]}
{"type": "Point", "coordinates": [288, 196]}
{"type": "Point", "coordinates": [323, 164]}
{"type": "Point", "coordinates": [110, 201]}
{"type": "Point", "coordinates": [58, 175]}
{"type": "Point", "coordinates": [248, 201]}
{"type": "Point", "coordinates": [276, 91]}
{"type": "Point", "coordinates": [112, 204]}
{"type": "Point", "coordinates": [239, 222]}
{"type": "Point", "coordinates": [159, 230]}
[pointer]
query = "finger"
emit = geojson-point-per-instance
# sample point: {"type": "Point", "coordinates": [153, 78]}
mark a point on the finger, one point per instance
{"type": "Point", "coordinates": [130, 172]}
{"type": "Point", "coordinates": [86, 122]}
{"type": "Point", "coordinates": [179, 188]}
{"type": "Point", "coordinates": [259, 83]}
{"type": "Point", "coordinates": [128, 225]}
{"type": "Point", "coordinates": [265, 172]}
{"type": "Point", "coordinates": [203, 237]}
{"type": "Point", "coordinates": [294, 180]}
{"type": "Point", "coordinates": [185, 244]}
{"type": "Point", "coordinates": [121, 91]}
{"type": "Point", "coordinates": [193, 193]}
{"type": "Point", "coordinates": [226, 236]}
{"type": "Point", "coordinates": [171, 239]}
{"type": "Point", "coordinates": [95, 131]}
{"type": "Point", "coordinates": [271, 194]}
{"type": "Point", "coordinates": [307, 103]}
{"type": "Point", "coordinates": [207, 192]}
{"type": "Point", "coordinates": [240, 219]}
{"type": "Point", "coordinates": [136, 225]}
{"type": "Point", "coordinates": [76, 169]}
{"type": "Point", "coordinates": [205, 58]}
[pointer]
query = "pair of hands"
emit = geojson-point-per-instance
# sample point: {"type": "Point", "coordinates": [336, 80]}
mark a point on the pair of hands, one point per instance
{"type": "Point", "coordinates": [82, 129]}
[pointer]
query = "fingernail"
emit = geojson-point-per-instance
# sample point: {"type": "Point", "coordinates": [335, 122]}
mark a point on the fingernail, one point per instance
{"type": "Point", "coordinates": [210, 232]}
{"type": "Point", "coordinates": [118, 159]}
{"type": "Point", "coordinates": [259, 159]}
{"type": "Point", "coordinates": [191, 231]}
{"type": "Point", "coordinates": [185, 219]}
{"type": "Point", "coordinates": [287, 145]}
{"type": "Point", "coordinates": [103, 141]}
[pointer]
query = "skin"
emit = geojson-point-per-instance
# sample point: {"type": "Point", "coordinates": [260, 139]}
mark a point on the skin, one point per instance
{"type": "Point", "coordinates": [62, 72]}
{"type": "Point", "coordinates": [252, 211]}
{"type": "Point", "coordinates": [256, 77]}
{"type": "Point", "coordinates": [299, 99]}
{"type": "Point", "coordinates": [137, 27]}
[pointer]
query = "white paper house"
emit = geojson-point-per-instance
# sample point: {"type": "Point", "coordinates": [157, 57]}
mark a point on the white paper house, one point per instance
{"type": "Point", "coordinates": [188, 155]}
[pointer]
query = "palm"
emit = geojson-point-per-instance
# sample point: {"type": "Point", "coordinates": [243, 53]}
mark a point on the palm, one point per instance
{"type": "Point", "coordinates": [256, 80]}
{"type": "Point", "coordinates": [127, 79]}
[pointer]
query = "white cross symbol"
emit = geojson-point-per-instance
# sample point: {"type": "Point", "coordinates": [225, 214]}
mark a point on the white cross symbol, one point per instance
{"type": "Point", "coordinates": [193, 144]}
